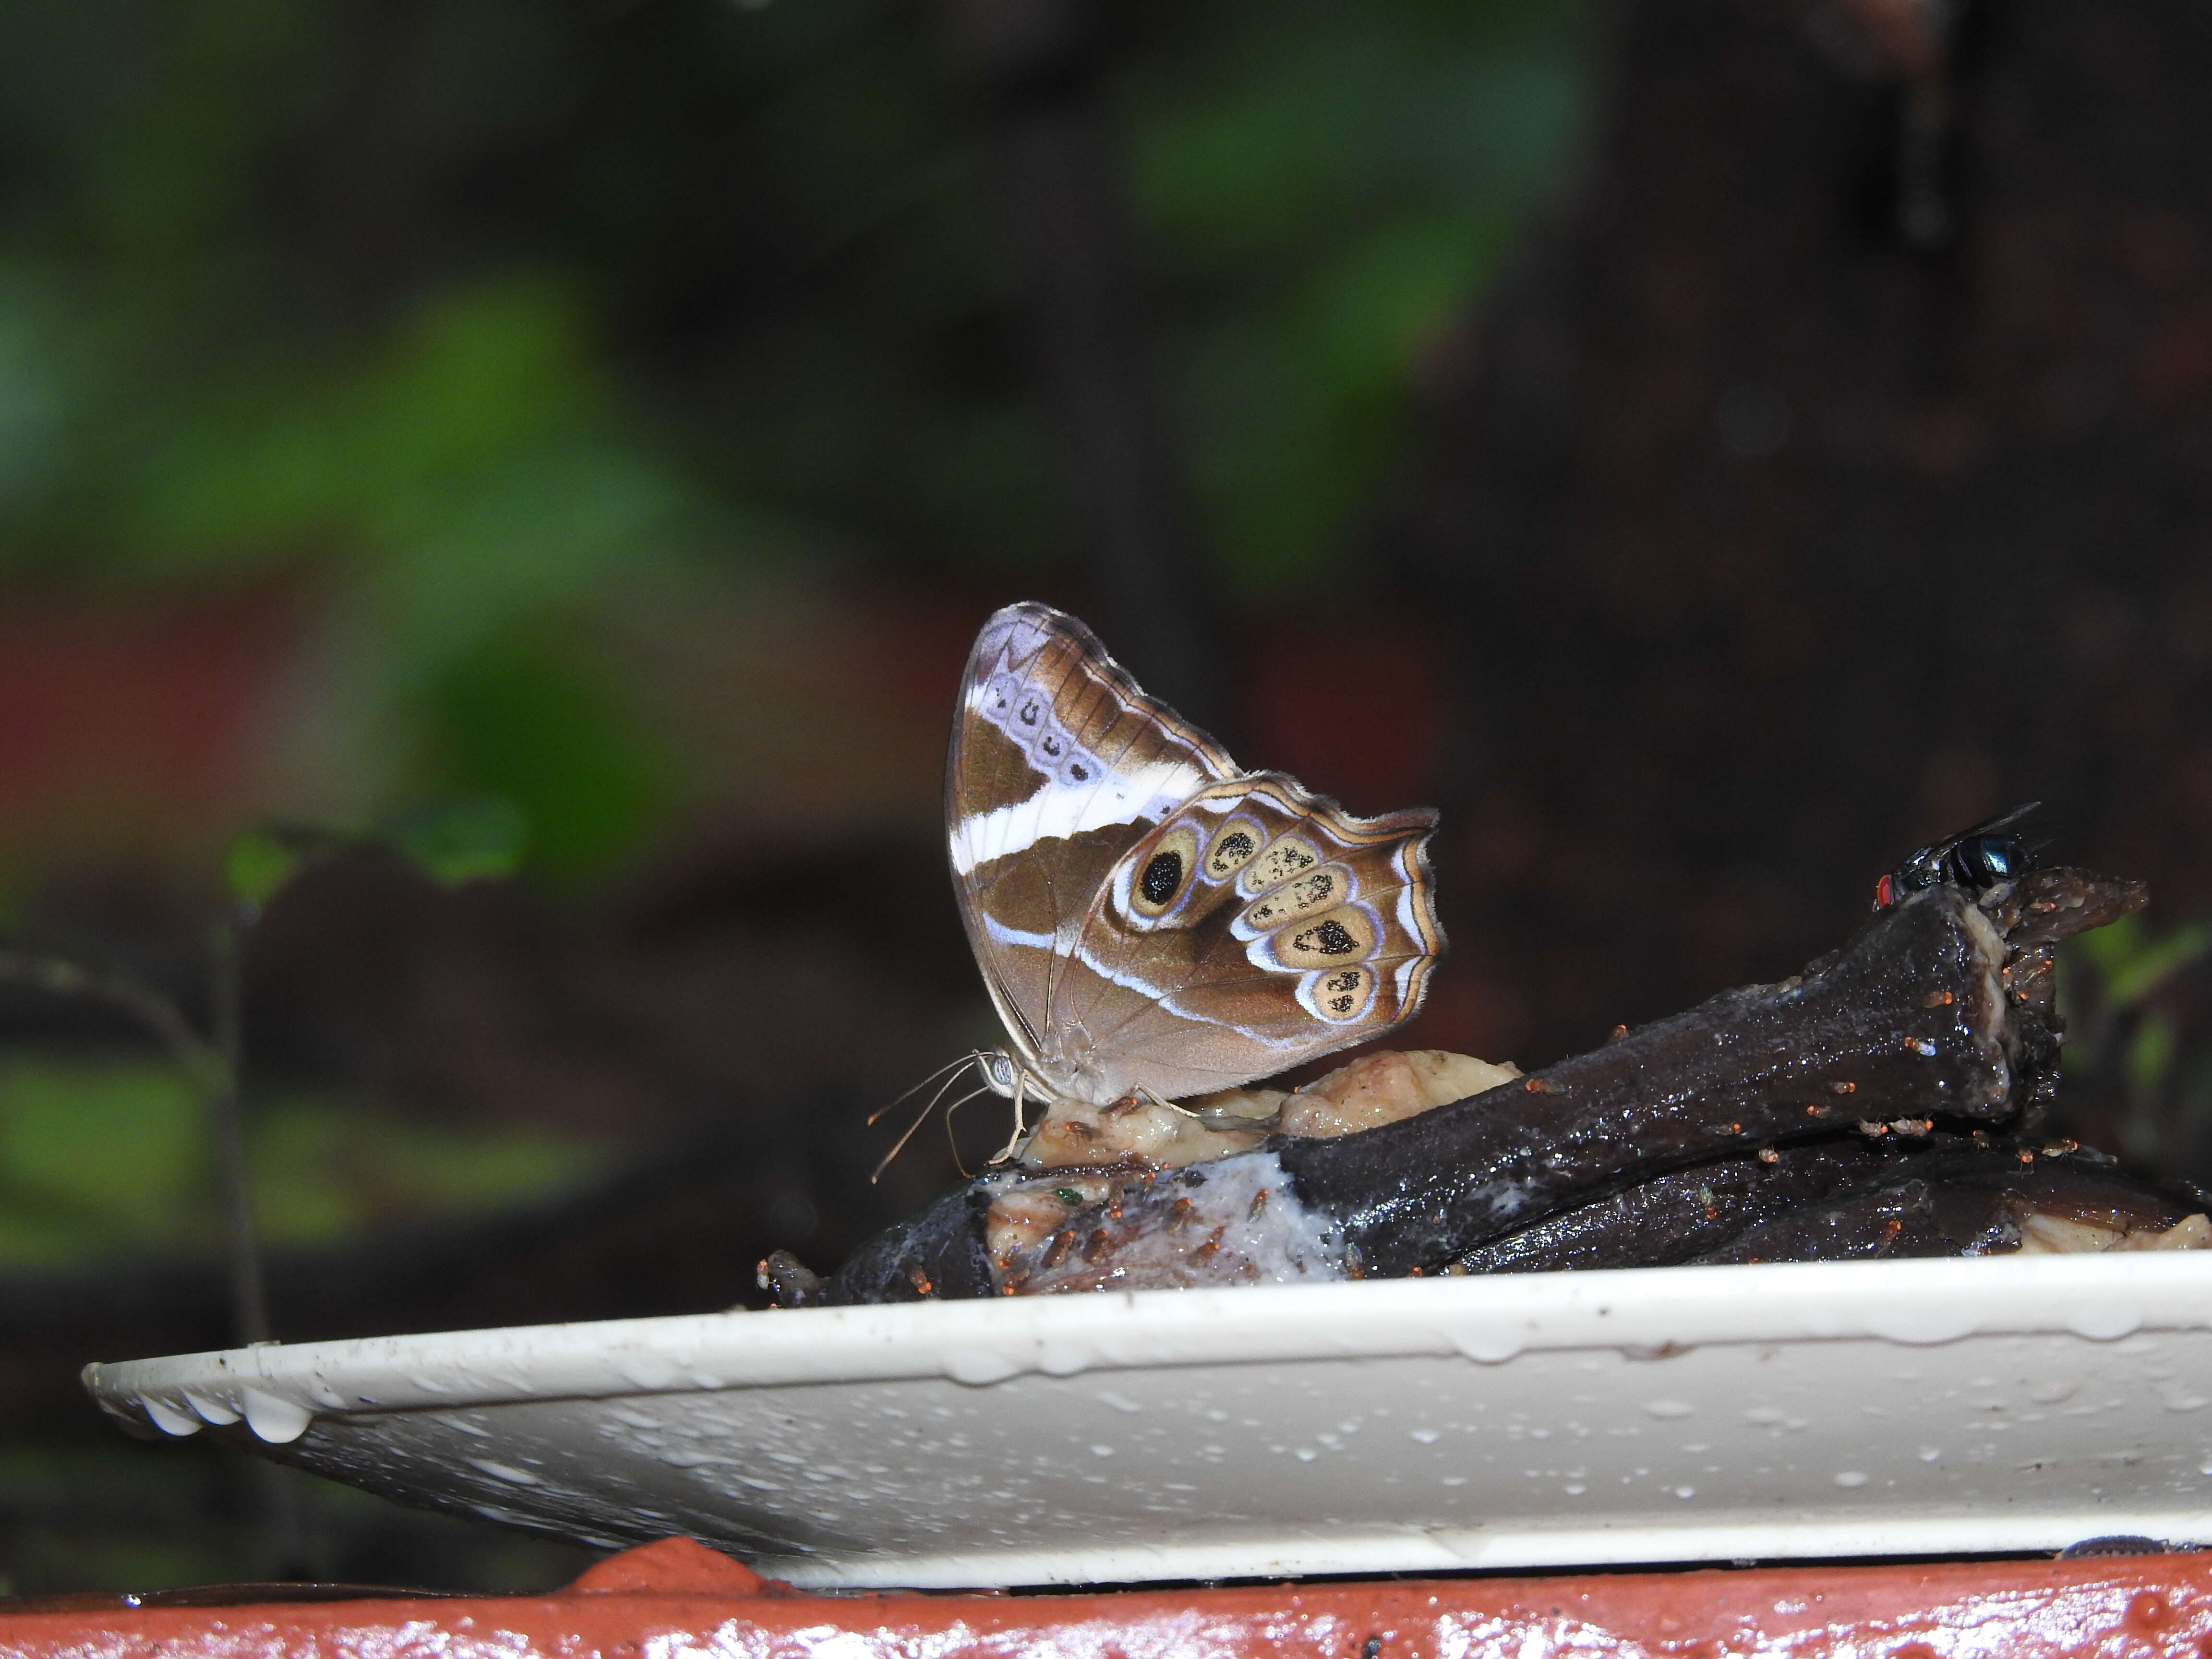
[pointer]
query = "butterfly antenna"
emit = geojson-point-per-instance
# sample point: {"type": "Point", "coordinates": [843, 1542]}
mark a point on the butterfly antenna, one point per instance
{"type": "Point", "coordinates": [908, 1094]}
{"type": "Point", "coordinates": [919, 1118]}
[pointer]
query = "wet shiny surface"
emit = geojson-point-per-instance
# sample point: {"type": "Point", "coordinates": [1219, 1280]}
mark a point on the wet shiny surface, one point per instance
{"type": "Point", "coordinates": [1678, 1414]}
{"type": "Point", "coordinates": [673, 1600]}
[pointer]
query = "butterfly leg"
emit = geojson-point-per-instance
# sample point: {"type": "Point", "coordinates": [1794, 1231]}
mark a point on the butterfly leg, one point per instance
{"type": "Point", "coordinates": [1151, 1099]}
{"type": "Point", "coordinates": [1021, 1134]}
{"type": "Point", "coordinates": [952, 1140]}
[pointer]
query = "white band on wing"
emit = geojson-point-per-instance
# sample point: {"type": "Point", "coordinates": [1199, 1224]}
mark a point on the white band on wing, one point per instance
{"type": "Point", "coordinates": [1146, 794]}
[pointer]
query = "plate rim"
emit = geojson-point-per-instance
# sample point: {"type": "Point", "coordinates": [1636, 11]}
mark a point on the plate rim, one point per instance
{"type": "Point", "coordinates": [279, 1389]}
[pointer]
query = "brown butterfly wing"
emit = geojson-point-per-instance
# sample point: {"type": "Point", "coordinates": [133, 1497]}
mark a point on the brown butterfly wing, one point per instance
{"type": "Point", "coordinates": [1059, 765]}
{"type": "Point", "coordinates": [1256, 928]}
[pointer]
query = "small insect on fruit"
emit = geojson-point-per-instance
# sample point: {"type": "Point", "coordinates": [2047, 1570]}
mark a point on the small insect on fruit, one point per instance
{"type": "Point", "coordinates": [1976, 860]}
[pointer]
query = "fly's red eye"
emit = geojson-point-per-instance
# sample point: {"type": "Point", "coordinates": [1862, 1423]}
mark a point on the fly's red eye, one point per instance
{"type": "Point", "coordinates": [1884, 894]}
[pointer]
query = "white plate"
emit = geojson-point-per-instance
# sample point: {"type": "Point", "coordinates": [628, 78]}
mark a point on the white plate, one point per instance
{"type": "Point", "coordinates": [1551, 1419]}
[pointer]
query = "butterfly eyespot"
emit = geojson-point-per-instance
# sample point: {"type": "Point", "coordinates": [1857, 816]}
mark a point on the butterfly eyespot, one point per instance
{"type": "Point", "coordinates": [1338, 993]}
{"type": "Point", "coordinates": [1162, 876]}
{"type": "Point", "coordinates": [1277, 862]}
{"type": "Point", "coordinates": [1331, 940]}
{"type": "Point", "coordinates": [1029, 712]}
{"type": "Point", "coordinates": [1317, 889]}
{"type": "Point", "coordinates": [1078, 772]}
{"type": "Point", "coordinates": [1050, 747]}
{"type": "Point", "coordinates": [1234, 844]}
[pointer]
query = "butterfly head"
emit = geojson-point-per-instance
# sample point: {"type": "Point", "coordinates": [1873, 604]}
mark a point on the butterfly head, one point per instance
{"type": "Point", "coordinates": [1000, 1073]}
{"type": "Point", "coordinates": [1023, 1077]}
{"type": "Point", "coordinates": [1004, 1074]}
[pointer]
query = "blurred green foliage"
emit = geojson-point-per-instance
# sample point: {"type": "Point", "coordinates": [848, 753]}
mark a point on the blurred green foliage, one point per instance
{"type": "Point", "coordinates": [323, 1170]}
{"type": "Point", "coordinates": [471, 839]}
{"type": "Point", "coordinates": [2130, 961]}
{"type": "Point", "coordinates": [457, 321]}
{"type": "Point", "coordinates": [259, 866]}
{"type": "Point", "coordinates": [536, 729]}
{"type": "Point", "coordinates": [468, 838]}
{"type": "Point", "coordinates": [1327, 189]}
{"type": "Point", "coordinates": [465, 315]}
{"type": "Point", "coordinates": [2126, 991]}
{"type": "Point", "coordinates": [102, 1156]}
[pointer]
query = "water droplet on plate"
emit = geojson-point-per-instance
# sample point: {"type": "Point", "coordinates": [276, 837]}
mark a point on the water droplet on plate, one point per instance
{"type": "Point", "coordinates": [506, 1472]}
{"type": "Point", "coordinates": [979, 1366]}
{"type": "Point", "coordinates": [1063, 1359]}
{"type": "Point", "coordinates": [211, 1411]}
{"type": "Point", "coordinates": [1486, 1346]}
{"type": "Point", "coordinates": [2105, 1324]}
{"type": "Point", "coordinates": [645, 1371]}
{"type": "Point", "coordinates": [695, 1459]}
{"type": "Point", "coordinates": [168, 1418]}
{"type": "Point", "coordinates": [1924, 1327]}
{"type": "Point", "coordinates": [275, 1419]}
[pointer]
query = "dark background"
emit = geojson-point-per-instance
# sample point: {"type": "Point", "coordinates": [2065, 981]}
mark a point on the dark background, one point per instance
{"type": "Point", "coordinates": [1705, 446]}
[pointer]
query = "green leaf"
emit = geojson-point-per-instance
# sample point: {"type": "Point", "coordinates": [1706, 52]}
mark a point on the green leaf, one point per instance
{"type": "Point", "coordinates": [2157, 962]}
{"type": "Point", "coordinates": [259, 866]}
{"type": "Point", "coordinates": [535, 717]}
{"type": "Point", "coordinates": [475, 839]}
{"type": "Point", "coordinates": [2109, 949]}
{"type": "Point", "coordinates": [2150, 1055]}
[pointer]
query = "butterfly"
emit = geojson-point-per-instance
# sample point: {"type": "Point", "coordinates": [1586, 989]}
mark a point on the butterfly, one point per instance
{"type": "Point", "coordinates": [1152, 922]}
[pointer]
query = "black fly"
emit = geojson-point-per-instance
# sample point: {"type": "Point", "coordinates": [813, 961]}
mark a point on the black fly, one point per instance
{"type": "Point", "coordinates": [1976, 860]}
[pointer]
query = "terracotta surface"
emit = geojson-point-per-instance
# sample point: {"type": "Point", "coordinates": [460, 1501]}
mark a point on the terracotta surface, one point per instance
{"type": "Point", "coordinates": [677, 1599]}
